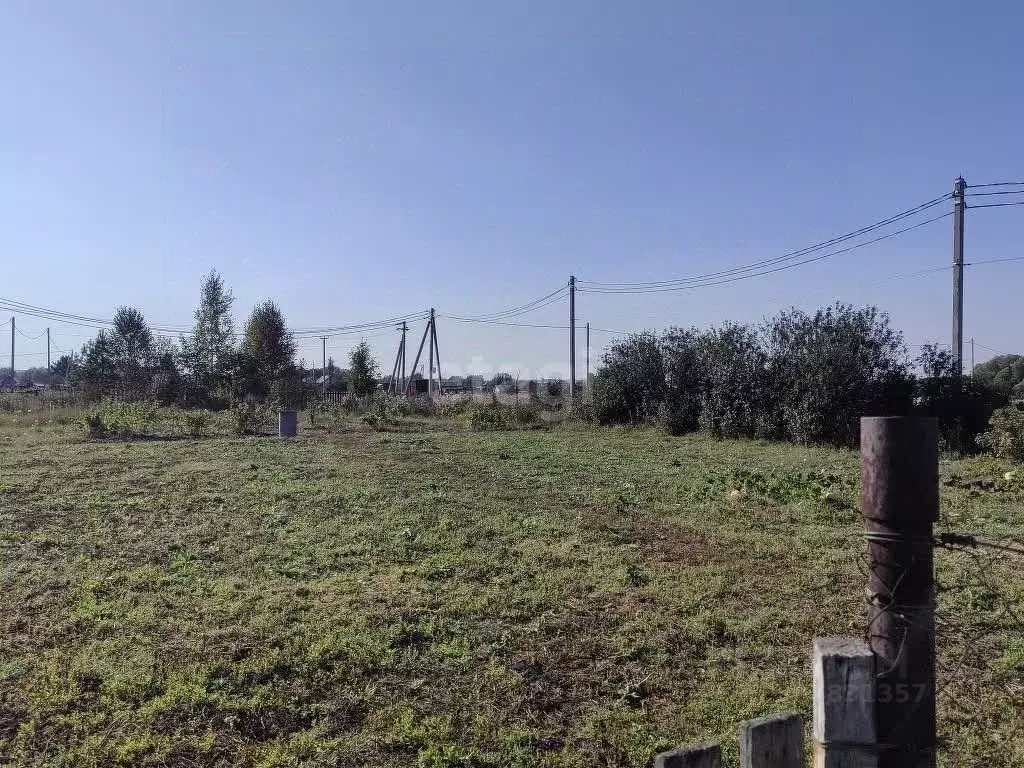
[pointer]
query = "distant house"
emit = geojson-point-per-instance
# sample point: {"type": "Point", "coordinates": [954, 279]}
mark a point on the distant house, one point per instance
{"type": "Point", "coordinates": [9, 384]}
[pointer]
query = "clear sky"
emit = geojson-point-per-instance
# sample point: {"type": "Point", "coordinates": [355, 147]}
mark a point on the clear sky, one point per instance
{"type": "Point", "coordinates": [361, 160]}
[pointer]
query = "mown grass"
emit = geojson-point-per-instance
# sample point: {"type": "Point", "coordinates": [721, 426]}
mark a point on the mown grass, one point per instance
{"type": "Point", "coordinates": [550, 597]}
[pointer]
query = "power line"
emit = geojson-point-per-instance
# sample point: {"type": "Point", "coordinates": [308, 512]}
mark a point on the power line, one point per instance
{"type": "Point", "coordinates": [31, 338]}
{"type": "Point", "coordinates": [997, 184]}
{"type": "Point", "coordinates": [770, 271]}
{"type": "Point", "coordinates": [993, 261]}
{"type": "Point", "coordinates": [997, 205]}
{"type": "Point", "coordinates": [501, 322]}
{"type": "Point", "coordinates": [784, 257]}
{"type": "Point", "coordinates": [997, 192]}
{"type": "Point", "coordinates": [531, 306]}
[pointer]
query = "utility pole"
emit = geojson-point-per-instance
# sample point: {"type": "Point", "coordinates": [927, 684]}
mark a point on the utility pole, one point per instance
{"type": "Point", "coordinates": [430, 356]}
{"type": "Point", "coordinates": [49, 366]}
{"type": "Point", "coordinates": [587, 385]}
{"type": "Point", "coordinates": [972, 357]}
{"type": "Point", "coordinates": [959, 205]}
{"type": "Point", "coordinates": [324, 372]}
{"type": "Point", "coordinates": [437, 349]}
{"type": "Point", "coordinates": [12, 350]}
{"type": "Point", "coordinates": [405, 382]}
{"type": "Point", "coordinates": [572, 336]}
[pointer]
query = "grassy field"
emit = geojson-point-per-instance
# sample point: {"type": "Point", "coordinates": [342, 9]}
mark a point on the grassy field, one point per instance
{"type": "Point", "coordinates": [440, 597]}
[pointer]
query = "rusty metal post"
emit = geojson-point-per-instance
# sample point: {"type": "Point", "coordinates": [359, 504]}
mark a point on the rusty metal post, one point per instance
{"type": "Point", "coordinates": [900, 502]}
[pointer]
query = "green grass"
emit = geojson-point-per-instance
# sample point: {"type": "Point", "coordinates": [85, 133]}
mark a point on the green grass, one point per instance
{"type": "Point", "coordinates": [550, 597]}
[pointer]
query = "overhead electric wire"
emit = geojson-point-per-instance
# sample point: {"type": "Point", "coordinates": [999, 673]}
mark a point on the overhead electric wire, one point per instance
{"type": "Point", "coordinates": [996, 205]}
{"type": "Point", "coordinates": [784, 257]}
{"type": "Point", "coordinates": [502, 322]}
{"type": "Point", "coordinates": [531, 306]}
{"type": "Point", "coordinates": [27, 336]}
{"type": "Point", "coordinates": [997, 192]}
{"type": "Point", "coordinates": [993, 261]}
{"type": "Point", "coordinates": [997, 184]}
{"type": "Point", "coordinates": [768, 271]}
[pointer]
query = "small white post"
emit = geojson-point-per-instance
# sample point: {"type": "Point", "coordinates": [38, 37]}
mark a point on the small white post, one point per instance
{"type": "Point", "coordinates": [844, 704]}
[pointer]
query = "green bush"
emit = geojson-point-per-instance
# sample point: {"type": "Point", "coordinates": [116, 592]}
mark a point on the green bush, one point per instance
{"type": "Point", "coordinates": [1005, 436]}
{"type": "Point", "coordinates": [249, 418]}
{"type": "Point", "coordinates": [94, 425]}
{"type": "Point", "coordinates": [194, 423]}
{"type": "Point", "coordinates": [495, 416]}
{"type": "Point", "coordinates": [454, 406]}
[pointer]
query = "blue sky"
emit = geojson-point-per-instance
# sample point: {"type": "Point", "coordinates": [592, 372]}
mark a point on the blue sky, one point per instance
{"type": "Point", "coordinates": [357, 161]}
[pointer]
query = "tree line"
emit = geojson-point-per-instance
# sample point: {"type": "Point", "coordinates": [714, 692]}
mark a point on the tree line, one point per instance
{"type": "Point", "coordinates": [210, 367]}
{"type": "Point", "coordinates": [806, 378]}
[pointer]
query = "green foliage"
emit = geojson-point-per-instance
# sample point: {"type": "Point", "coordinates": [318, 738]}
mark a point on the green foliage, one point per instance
{"type": "Point", "coordinates": [828, 369]}
{"type": "Point", "coordinates": [363, 371]}
{"type": "Point", "coordinates": [1004, 373]}
{"type": "Point", "coordinates": [249, 418]}
{"type": "Point", "coordinates": [125, 420]}
{"type": "Point", "coordinates": [268, 350]}
{"type": "Point", "coordinates": [94, 425]}
{"type": "Point", "coordinates": [962, 406]}
{"type": "Point", "coordinates": [1005, 436]}
{"type": "Point", "coordinates": [498, 416]}
{"type": "Point", "coordinates": [630, 385]}
{"type": "Point", "coordinates": [209, 353]}
{"type": "Point", "coordinates": [194, 423]}
{"type": "Point", "coordinates": [806, 378]}
{"type": "Point", "coordinates": [732, 395]}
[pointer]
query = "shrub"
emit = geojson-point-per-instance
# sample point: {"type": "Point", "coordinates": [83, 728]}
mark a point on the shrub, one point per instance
{"type": "Point", "coordinates": [630, 385]}
{"type": "Point", "coordinates": [732, 395]}
{"type": "Point", "coordinates": [582, 410]}
{"type": "Point", "coordinates": [453, 406]}
{"type": "Point", "coordinates": [1005, 436]}
{"type": "Point", "coordinates": [249, 418]}
{"type": "Point", "coordinates": [493, 416]}
{"type": "Point", "coordinates": [94, 425]}
{"type": "Point", "coordinates": [194, 423]}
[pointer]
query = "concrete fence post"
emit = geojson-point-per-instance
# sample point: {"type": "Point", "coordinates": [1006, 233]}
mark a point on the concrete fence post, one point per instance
{"type": "Point", "coordinates": [704, 755]}
{"type": "Point", "coordinates": [844, 703]}
{"type": "Point", "coordinates": [776, 741]}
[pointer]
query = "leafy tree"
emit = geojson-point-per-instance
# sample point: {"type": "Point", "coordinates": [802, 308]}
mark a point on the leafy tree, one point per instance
{"type": "Point", "coordinates": [830, 368]}
{"type": "Point", "coordinates": [630, 385]}
{"type": "Point", "coordinates": [209, 354]}
{"type": "Point", "coordinates": [680, 412]}
{"type": "Point", "coordinates": [131, 343]}
{"type": "Point", "coordinates": [1004, 373]}
{"type": "Point", "coordinates": [268, 345]}
{"type": "Point", "coordinates": [501, 378]}
{"type": "Point", "coordinates": [61, 368]}
{"type": "Point", "coordinates": [96, 373]}
{"type": "Point", "coordinates": [733, 399]}
{"type": "Point", "coordinates": [962, 405]}
{"type": "Point", "coordinates": [363, 370]}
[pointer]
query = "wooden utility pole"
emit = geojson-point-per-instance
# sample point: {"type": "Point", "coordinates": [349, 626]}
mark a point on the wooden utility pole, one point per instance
{"type": "Point", "coordinates": [12, 350]}
{"type": "Point", "coordinates": [324, 372]}
{"type": "Point", "coordinates": [899, 500]}
{"type": "Point", "coordinates": [49, 366]}
{"type": "Point", "coordinates": [959, 205]}
{"type": "Point", "coordinates": [436, 347]}
{"type": "Point", "coordinates": [405, 383]}
{"type": "Point", "coordinates": [586, 385]}
{"type": "Point", "coordinates": [572, 336]}
{"type": "Point", "coordinates": [419, 351]}
{"type": "Point", "coordinates": [430, 354]}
